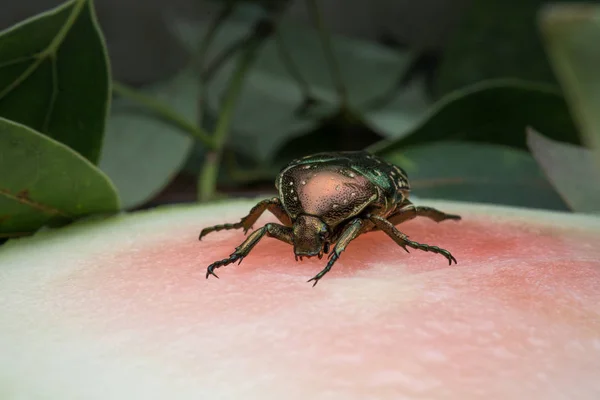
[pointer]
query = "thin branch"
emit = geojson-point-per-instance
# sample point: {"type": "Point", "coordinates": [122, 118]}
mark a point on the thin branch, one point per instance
{"type": "Point", "coordinates": [164, 111]}
{"type": "Point", "coordinates": [218, 62]}
{"type": "Point", "coordinates": [245, 175]}
{"type": "Point", "coordinates": [207, 180]}
{"type": "Point", "coordinates": [291, 67]}
{"type": "Point", "coordinates": [334, 68]}
{"type": "Point", "coordinates": [200, 58]}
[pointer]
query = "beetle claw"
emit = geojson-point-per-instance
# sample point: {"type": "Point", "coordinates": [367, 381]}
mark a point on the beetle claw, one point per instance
{"type": "Point", "coordinates": [210, 272]}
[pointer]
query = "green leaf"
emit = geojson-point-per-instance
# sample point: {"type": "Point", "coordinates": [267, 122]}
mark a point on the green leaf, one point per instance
{"type": "Point", "coordinates": [477, 172]}
{"type": "Point", "coordinates": [267, 113]}
{"type": "Point", "coordinates": [572, 170]}
{"type": "Point", "coordinates": [572, 35]}
{"type": "Point", "coordinates": [496, 111]}
{"type": "Point", "coordinates": [402, 113]}
{"type": "Point", "coordinates": [54, 76]}
{"type": "Point", "coordinates": [44, 182]}
{"type": "Point", "coordinates": [495, 39]}
{"type": "Point", "coordinates": [341, 132]}
{"type": "Point", "coordinates": [142, 153]}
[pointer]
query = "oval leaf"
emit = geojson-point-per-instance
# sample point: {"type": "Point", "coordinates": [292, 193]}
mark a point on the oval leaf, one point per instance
{"type": "Point", "coordinates": [572, 33]}
{"type": "Point", "coordinates": [485, 46]}
{"type": "Point", "coordinates": [54, 76]}
{"type": "Point", "coordinates": [477, 172]}
{"type": "Point", "coordinates": [43, 181]}
{"type": "Point", "coordinates": [496, 111]}
{"type": "Point", "coordinates": [143, 153]}
{"type": "Point", "coordinates": [572, 170]}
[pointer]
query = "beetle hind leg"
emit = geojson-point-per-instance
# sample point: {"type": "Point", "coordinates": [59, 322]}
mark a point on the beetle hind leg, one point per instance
{"type": "Point", "coordinates": [273, 205]}
{"type": "Point", "coordinates": [402, 240]}
{"type": "Point", "coordinates": [276, 231]}
{"type": "Point", "coordinates": [409, 211]}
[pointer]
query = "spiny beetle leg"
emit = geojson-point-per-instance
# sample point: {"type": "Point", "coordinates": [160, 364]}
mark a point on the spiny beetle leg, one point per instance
{"type": "Point", "coordinates": [409, 211]}
{"type": "Point", "coordinates": [273, 205]}
{"type": "Point", "coordinates": [351, 231]}
{"type": "Point", "coordinates": [276, 231]}
{"type": "Point", "coordinates": [332, 259]}
{"type": "Point", "coordinates": [402, 240]}
{"type": "Point", "coordinates": [211, 268]}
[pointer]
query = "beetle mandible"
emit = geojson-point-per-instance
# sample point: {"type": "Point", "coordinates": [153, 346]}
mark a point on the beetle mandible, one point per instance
{"type": "Point", "coordinates": [329, 199]}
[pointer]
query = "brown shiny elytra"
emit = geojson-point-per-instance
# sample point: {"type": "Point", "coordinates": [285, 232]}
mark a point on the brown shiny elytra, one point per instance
{"type": "Point", "coordinates": [327, 200]}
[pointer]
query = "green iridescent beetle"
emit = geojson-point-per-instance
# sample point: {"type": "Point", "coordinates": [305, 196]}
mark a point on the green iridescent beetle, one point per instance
{"type": "Point", "coordinates": [329, 199]}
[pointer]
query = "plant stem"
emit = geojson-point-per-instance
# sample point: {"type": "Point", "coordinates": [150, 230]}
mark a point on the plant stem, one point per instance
{"type": "Point", "coordinates": [246, 175]}
{"type": "Point", "coordinates": [334, 68]}
{"type": "Point", "coordinates": [218, 62]}
{"type": "Point", "coordinates": [164, 111]}
{"type": "Point", "coordinates": [200, 58]}
{"type": "Point", "coordinates": [207, 179]}
{"type": "Point", "coordinates": [197, 62]}
{"type": "Point", "coordinates": [291, 67]}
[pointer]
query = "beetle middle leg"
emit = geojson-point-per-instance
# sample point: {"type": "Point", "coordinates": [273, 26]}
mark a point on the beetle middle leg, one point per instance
{"type": "Point", "coordinates": [402, 240]}
{"type": "Point", "coordinates": [273, 205]}
{"type": "Point", "coordinates": [409, 211]}
{"type": "Point", "coordinates": [283, 233]}
{"type": "Point", "coordinates": [350, 232]}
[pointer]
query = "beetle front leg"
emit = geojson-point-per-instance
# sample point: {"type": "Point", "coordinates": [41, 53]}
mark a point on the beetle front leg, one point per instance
{"type": "Point", "coordinates": [273, 205]}
{"type": "Point", "coordinates": [410, 211]}
{"type": "Point", "coordinates": [402, 240]}
{"type": "Point", "coordinates": [350, 232]}
{"type": "Point", "coordinates": [283, 233]}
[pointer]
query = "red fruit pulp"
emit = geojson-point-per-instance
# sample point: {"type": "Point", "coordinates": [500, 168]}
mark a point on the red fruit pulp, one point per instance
{"type": "Point", "coordinates": [120, 308]}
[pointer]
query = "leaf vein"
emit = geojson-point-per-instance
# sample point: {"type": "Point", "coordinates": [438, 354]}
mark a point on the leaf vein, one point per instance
{"type": "Point", "coordinates": [24, 199]}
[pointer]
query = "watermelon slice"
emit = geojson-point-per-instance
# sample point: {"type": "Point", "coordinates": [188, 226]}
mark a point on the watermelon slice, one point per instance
{"type": "Point", "coordinates": [121, 309]}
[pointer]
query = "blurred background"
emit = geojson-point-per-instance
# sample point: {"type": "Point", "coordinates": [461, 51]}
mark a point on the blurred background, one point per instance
{"type": "Point", "coordinates": [212, 98]}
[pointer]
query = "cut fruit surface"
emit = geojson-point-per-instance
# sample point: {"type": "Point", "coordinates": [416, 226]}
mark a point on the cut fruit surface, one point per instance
{"type": "Point", "coordinates": [121, 309]}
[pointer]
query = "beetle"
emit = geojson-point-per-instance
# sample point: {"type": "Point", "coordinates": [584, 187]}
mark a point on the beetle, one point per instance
{"type": "Point", "coordinates": [329, 199]}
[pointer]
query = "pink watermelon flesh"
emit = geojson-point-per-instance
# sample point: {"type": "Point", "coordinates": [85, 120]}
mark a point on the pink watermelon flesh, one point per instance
{"type": "Point", "coordinates": [121, 309]}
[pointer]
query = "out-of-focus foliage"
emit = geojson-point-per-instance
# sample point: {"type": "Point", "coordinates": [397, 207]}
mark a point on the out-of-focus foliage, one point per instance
{"type": "Point", "coordinates": [477, 172]}
{"type": "Point", "coordinates": [142, 152]}
{"type": "Point", "coordinates": [491, 112]}
{"type": "Point", "coordinates": [571, 169]}
{"type": "Point", "coordinates": [572, 34]}
{"type": "Point", "coordinates": [495, 39]}
{"type": "Point", "coordinates": [269, 110]}
{"type": "Point", "coordinates": [260, 90]}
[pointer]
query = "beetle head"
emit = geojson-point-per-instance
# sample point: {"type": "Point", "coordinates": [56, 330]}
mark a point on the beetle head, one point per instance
{"type": "Point", "coordinates": [310, 236]}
